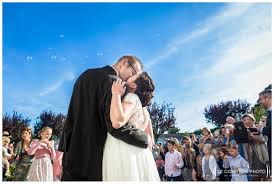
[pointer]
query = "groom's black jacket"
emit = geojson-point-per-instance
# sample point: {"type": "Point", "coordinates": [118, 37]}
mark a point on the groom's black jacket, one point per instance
{"type": "Point", "coordinates": [88, 121]}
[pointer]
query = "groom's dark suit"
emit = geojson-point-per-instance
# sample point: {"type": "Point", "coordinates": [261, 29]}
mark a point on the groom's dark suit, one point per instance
{"type": "Point", "coordinates": [88, 121]}
{"type": "Point", "coordinates": [267, 131]}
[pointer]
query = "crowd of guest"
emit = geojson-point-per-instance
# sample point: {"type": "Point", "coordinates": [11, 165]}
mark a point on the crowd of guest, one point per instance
{"type": "Point", "coordinates": [240, 151]}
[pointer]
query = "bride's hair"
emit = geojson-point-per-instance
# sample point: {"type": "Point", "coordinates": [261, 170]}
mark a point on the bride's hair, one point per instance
{"type": "Point", "coordinates": [145, 88]}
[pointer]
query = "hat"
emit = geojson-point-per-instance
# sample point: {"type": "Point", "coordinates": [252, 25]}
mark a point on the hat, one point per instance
{"type": "Point", "coordinates": [249, 115]}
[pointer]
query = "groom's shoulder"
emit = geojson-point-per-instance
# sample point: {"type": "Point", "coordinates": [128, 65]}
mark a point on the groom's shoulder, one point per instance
{"type": "Point", "coordinates": [92, 71]}
{"type": "Point", "coordinates": [95, 73]}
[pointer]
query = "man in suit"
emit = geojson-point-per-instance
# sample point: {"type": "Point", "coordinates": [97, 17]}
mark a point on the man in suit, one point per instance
{"type": "Point", "coordinates": [265, 99]}
{"type": "Point", "coordinates": [88, 121]}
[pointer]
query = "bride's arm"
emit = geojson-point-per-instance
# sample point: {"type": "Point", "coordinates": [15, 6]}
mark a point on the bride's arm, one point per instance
{"type": "Point", "coordinates": [148, 126]}
{"type": "Point", "coordinates": [146, 119]}
{"type": "Point", "coordinates": [120, 112]}
{"type": "Point", "coordinates": [149, 131]}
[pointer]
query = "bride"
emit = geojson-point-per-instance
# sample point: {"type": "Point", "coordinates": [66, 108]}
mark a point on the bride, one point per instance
{"type": "Point", "coordinates": [121, 161]}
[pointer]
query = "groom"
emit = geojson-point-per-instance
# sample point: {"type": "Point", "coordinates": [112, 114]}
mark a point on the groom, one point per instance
{"type": "Point", "coordinates": [88, 121]}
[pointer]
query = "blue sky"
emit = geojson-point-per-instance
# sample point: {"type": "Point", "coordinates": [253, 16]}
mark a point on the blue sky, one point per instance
{"type": "Point", "coordinates": [197, 53]}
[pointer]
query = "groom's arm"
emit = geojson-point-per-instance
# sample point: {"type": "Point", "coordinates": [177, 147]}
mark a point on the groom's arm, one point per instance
{"type": "Point", "coordinates": [126, 133]}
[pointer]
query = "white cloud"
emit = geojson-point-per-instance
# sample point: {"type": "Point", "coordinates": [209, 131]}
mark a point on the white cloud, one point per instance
{"type": "Point", "coordinates": [242, 52]}
{"type": "Point", "coordinates": [240, 61]}
{"type": "Point", "coordinates": [51, 88]}
{"type": "Point", "coordinates": [68, 76]}
{"type": "Point", "coordinates": [231, 11]}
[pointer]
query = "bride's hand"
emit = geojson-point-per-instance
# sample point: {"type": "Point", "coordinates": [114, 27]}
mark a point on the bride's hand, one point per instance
{"type": "Point", "coordinates": [118, 87]}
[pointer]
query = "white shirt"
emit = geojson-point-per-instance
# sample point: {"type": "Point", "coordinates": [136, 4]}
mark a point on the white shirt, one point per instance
{"type": "Point", "coordinates": [173, 163]}
{"type": "Point", "coordinates": [239, 168]}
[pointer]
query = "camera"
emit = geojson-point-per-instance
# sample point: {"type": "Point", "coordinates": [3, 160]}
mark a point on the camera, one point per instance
{"type": "Point", "coordinates": [240, 132]}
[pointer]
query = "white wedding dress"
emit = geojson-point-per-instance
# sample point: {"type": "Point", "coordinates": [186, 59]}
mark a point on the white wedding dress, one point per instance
{"type": "Point", "coordinates": [125, 162]}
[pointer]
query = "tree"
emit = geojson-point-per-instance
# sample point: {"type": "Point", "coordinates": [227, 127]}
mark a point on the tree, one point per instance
{"type": "Point", "coordinates": [187, 134]}
{"type": "Point", "coordinates": [258, 111]}
{"type": "Point", "coordinates": [13, 124]}
{"type": "Point", "coordinates": [198, 132]}
{"type": "Point", "coordinates": [162, 118]}
{"type": "Point", "coordinates": [50, 119]}
{"type": "Point", "coordinates": [173, 130]}
{"type": "Point", "coordinates": [217, 113]}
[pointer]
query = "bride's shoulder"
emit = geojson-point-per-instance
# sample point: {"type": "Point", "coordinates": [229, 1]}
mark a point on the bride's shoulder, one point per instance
{"type": "Point", "coordinates": [131, 97]}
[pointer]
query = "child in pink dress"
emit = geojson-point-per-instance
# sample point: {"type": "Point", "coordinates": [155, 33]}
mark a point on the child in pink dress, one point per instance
{"type": "Point", "coordinates": [41, 168]}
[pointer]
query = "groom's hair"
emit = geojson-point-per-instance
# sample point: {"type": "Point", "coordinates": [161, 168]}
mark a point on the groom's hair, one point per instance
{"type": "Point", "coordinates": [266, 93]}
{"type": "Point", "coordinates": [131, 59]}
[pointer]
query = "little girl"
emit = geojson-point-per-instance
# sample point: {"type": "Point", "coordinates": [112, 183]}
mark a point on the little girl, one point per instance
{"type": "Point", "coordinates": [41, 167]}
{"type": "Point", "coordinates": [209, 165]}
